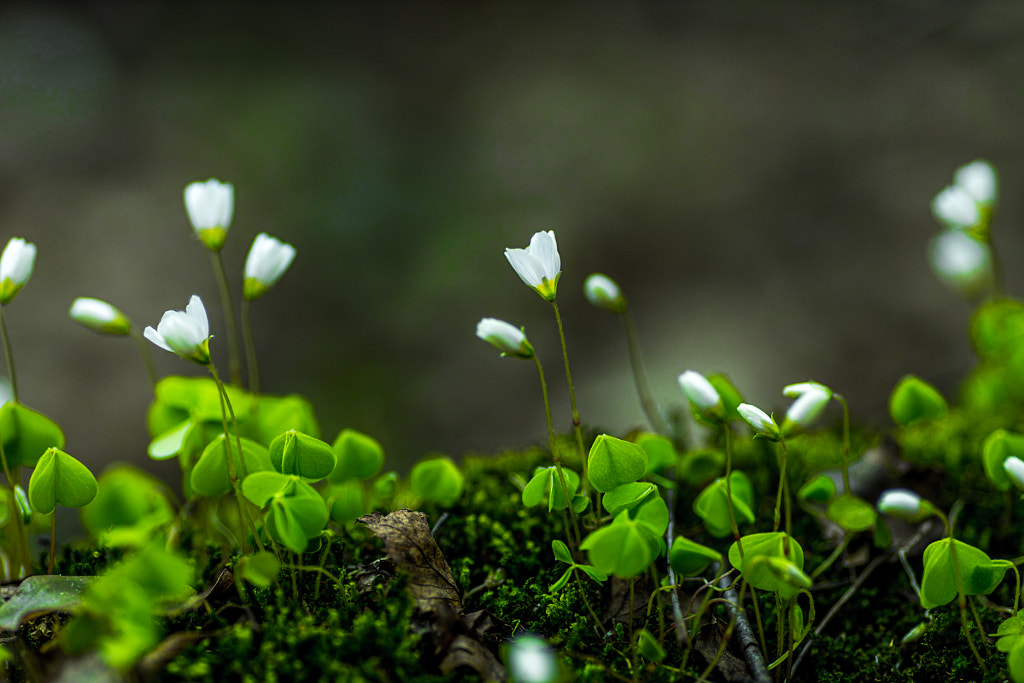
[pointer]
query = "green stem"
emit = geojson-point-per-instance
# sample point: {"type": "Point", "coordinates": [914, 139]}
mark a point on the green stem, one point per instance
{"type": "Point", "coordinates": [23, 549]}
{"type": "Point", "coordinates": [8, 355]}
{"type": "Point", "coordinates": [232, 471]}
{"type": "Point", "coordinates": [234, 360]}
{"type": "Point", "coordinates": [556, 456]}
{"type": "Point", "coordinates": [636, 361]}
{"type": "Point", "coordinates": [728, 488]}
{"type": "Point", "coordinates": [250, 349]}
{"type": "Point", "coordinates": [572, 399]}
{"type": "Point", "coordinates": [53, 540]}
{"type": "Point", "coordinates": [830, 560]}
{"type": "Point", "coordinates": [147, 356]}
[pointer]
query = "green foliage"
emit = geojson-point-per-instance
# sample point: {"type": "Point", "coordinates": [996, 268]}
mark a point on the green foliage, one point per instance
{"type": "Point", "coordinates": [437, 480]}
{"type": "Point", "coordinates": [979, 574]}
{"type": "Point", "coordinates": [613, 462]}
{"type": "Point", "coordinates": [260, 569]}
{"type": "Point", "coordinates": [630, 543]}
{"type": "Point", "coordinates": [757, 548]}
{"type": "Point", "coordinates": [296, 453]}
{"type": "Point", "coordinates": [851, 513]}
{"type": "Point", "coordinates": [210, 476]}
{"type": "Point", "coordinates": [545, 487]}
{"type": "Point", "coordinates": [1011, 641]}
{"type": "Point", "coordinates": [359, 457]}
{"type": "Point", "coordinates": [730, 395]}
{"type": "Point", "coordinates": [59, 479]}
{"type": "Point", "coordinates": [913, 399]}
{"type": "Point", "coordinates": [628, 497]}
{"type": "Point", "coordinates": [820, 489]}
{"type": "Point", "coordinates": [130, 507]}
{"type": "Point", "coordinates": [661, 454]}
{"type": "Point", "coordinates": [689, 558]}
{"type": "Point", "coordinates": [295, 512]}
{"type": "Point", "coordinates": [998, 446]}
{"type": "Point", "coordinates": [562, 554]}
{"type": "Point", "coordinates": [26, 435]}
{"type": "Point", "coordinates": [712, 505]}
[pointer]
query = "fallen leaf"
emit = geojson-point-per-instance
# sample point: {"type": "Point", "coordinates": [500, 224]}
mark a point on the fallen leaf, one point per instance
{"type": "Point", "coordinates": [410, 545]}
{"type": "Point", "coordinates": [465, 651]}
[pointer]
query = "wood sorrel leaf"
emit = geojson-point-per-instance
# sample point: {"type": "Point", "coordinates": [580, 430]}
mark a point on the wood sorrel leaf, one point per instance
{"type": "Point", "coordinates": [730, 395]}
{"type": "Point", "coordinates": [260, 569]}
{"type": "Point", "coordinates": [851, 513]}
{"type": "Point", "coordinates": [624, 548]}
{"type": "Point", "coordinates": [689, 558]}
{"type": "Point", "coordinates": [347, 501]}
{"type": "Point", "coordinates": [561, 551]}
{"type": "Point", "coordinates": [260, 487]}
{"type": "Point", "coordinates": [278, 414]}
{"type": "Point", "coordinates": [980, 574]}
{"type": "Point", "coordinates": [913, 399]}
{"type": "Point", "coordinates": [764, 545]}
{"type": "Point", "coordinates": [306, 456]}
{"type": "Point", "coordinates": [60, 479]}
{"type": "Point", "coordinates": [712, 505]}
{"type": "Point", "coordinates": [614, 462]}
{"type": "Point", "coordinates": [27, 434]}
{"type": "Point", "coordinates": [627, 497]}
{"type": "Point", "coordinates": [649, 647]}
{"type": "Point", "coordinates": [210, 475]}
{"type": "Point", "coordinates": [659, 449]}
{"type": "Point", "coordinates": [821, 489]}
{"type": "Point", "coordinates": [129, 508]}
{"type": "Point", "coordinates": [173, 441]}
{"type": "Point", "coordinates": [653, 514]}
{"type": "Point", "coordinates": [437, 480]}
{"type": "Point", "coordinates": [997, 448]}
{"type": "Point", "coordinates": [360, 456]}
{"type": "Point", "coordinates": [544, 486]}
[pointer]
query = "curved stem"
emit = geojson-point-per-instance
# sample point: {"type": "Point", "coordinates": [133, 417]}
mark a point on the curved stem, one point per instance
{"type": "Point", "coordinates": [250, 350]}
{"type": "Point", "coordinates": [234, 361]}
{"type": "Point", "coordinates": [556, 456]}
{"type": "Point", "coordinates": [636, 361]}
{"type": "Point", "coordinates": [8, 355]}
{"type": "Point", "coordinates": [572, 400]}
{"type": "Point", "coordinates": [728, 488]}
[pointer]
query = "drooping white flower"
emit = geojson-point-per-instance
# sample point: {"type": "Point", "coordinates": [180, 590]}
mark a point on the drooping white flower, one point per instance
{"type": "Point", "coordinates": [508, 338]}
{"type": "Point", "coordinates": [760, 421]}
{"type": "Point", "coordinates": [531, 660]}
{"type": "Point", "coordinates": [979, 179]}
{"type": "Point", "coordinates": [539, 265]}
{"type": "Point", "coordinates": [903, 504]}
{"type": "Point", "coordinates": [186, 333]}
{"type": "Point", "coordinates": [961, 261]}
{"type": "Point", "coordinates": [702, 395]}
{"type": "Point", "coordinates": [268, 259]}
{"type": "Point", "coordinates": [99, 316]}
{"type": "Point", "coordinates": [210, 206]}
{"type": "Point", "coordinates": [604, 292]}
{"type": "Point", "coordinates": [1014, 468]}
{"type": "Point", "coordinates": [955, 207]}
{"type": "Point", "coordinates": [811, 399]}
{"type": "Point", "coordinates": [16, 265]}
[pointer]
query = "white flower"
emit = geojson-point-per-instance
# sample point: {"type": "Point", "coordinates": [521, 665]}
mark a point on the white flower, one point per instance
{"type": "Point", "coordinates": [186, 333]}
{"type": "Point", "coordinates": [539, 265]}
{"type": "Point", "coordinates": [6, 391]}
{"type": "Point", "coordinates": [811, 400]}
{"type": "Point", "coordinates": [268, 259]}
{"type": "Point", "coordinates": [509, 339]}
{"type": "Point", "coordinates": [961, 261]}
{"type": "Point", "coordinates": [760, 421]}
{"type": "Point", "coordinates": [603, 292]}
{"type": "Point", "coordinates": [530, 660]}
{"type": "Point", "coordinates": [210, 206]}
{"type": "Point", "coordinates": [978, 178]}
{"type": "Point", "coordinates": [955, 207]}
{"type": "Point", "coordinates": [902, 503]}
{"type": "Point", "coordinates": [702, 395]}
{"type": "Point", "coordinates": [1014, 468]}
{"type": "Point", "coordinates": [99, 316]}
{"type": "Point", "coordinates": [15, 267]}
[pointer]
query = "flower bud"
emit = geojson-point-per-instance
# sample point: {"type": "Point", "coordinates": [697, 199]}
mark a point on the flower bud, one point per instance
{"type": "Point", "coordinates": [811, 400]}
{"type": "Point", "coordinates": [15, 268]}
{"type": "Point", "coordinates": [903, 504]}
{"type": "Point", "coordinates": [1014, 468]}
{"type": "Point", "coordinates": [979, 180]}
{"type": "Point", "coordinates": [762, 423]}
{"type": "Point", "coordinates": [787, 572]}
{"type": "Point", "coordinates": [210, 206]}
{"type": "Point", "coordinates": [961, 261]}
{"type": "Point", "coordinates": [702, 395]}
{"type": "Point", "coordinates": [955, 207]}
{"type": "Point", "coordinates": [99, 316]}
{"type": "Point", "coordinates": [603, 292]}
{"type": "Point", "coordinates": [509, 339]}
{"type": "Point", "coordinates": [268, 259]}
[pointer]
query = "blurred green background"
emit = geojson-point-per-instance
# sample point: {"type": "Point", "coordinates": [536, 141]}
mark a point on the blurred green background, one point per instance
{"type": "Point", "coordinates": [757, 176]}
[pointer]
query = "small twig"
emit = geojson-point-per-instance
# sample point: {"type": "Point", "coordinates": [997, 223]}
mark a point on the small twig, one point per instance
{"type": "Point", "coordinates": [440, 521]}
{"type": "Point", "coordinates": [861, 578]}
{"type": "Point", "coordinates": [747, 640]}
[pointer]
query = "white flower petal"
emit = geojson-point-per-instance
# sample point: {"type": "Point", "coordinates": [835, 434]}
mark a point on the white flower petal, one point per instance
{"type": "Point", "coordinates": [760, 421]}
{"type": "Point", "coordinates": [808, 406]}
{"type": "Point", "coordinates": [901, 503]}
{"type": "Point", "coordinates": [955, 207]}
{"type": "Point", "coordinates": [978, 179]}
{"type": "Point", "coordinates": [959, 260]}
{"type": "Point", "coordinates": [196, 312]}
{"type": "Point", "coordinates": [268, 259]}
{"type": "Point", "coordinates": [1014, 468]}
{"type": "Point", "coordinates": [506, 337]}
{"type": "Point", "coordinates": [699, 390]}
{"type": "Point", "coordinates": [545, 250]}
{"type": "Point", "coordinates": [17, 261]}
{"type": "Point", "coordinates": [210, 204]}
{"type": "Point", "coordinates": [157, 338]}
{"type": "Point", "coordinates": [526, 266]}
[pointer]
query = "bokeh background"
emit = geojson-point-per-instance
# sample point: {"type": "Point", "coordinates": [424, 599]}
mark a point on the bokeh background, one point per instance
{"type": "Point", "coordinates": [757, 176]}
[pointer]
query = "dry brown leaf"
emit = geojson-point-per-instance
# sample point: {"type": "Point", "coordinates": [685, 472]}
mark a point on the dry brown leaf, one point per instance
{"type": "Point", "coordinates": [410, 545]}
{"type": "Point", "coordinates": [709, 641]}
{"type": "Point", "coordinates": [465, 651]}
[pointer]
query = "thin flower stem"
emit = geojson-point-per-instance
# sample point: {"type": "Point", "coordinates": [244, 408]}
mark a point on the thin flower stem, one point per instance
{"type": "Point", "coordinates": [147, 356]}
{"type": "Point", "coordinates": [234, 354]}
{"type": "Point", "coordinates": [23, 549]}
{"type": "Point", "coordinates": [232, 472]}
{"type": "Point", "coordinates": [636, 360]}
{"type": "Point", "coordinates": [8, 355]}
{"type": "Point", "coordinates": [572, 399]}
{"type": "Point", "coordinates": [830, 560]}
{"type": "Point", "coordinates": [250, 349]}
{"type": "Point", "coordinates": [555, 455]}
{"type": "Point", "coordinates": [728, 487]}
{"type": "Point", "coordinates": [53, 539]}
